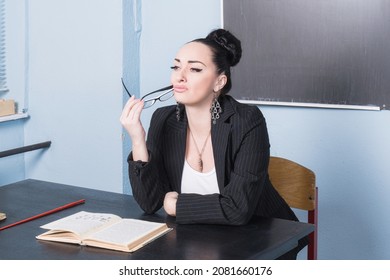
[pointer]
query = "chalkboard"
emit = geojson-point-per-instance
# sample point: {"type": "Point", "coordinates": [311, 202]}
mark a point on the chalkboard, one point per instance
{"type": "Point", "coordinates": [331, 52]}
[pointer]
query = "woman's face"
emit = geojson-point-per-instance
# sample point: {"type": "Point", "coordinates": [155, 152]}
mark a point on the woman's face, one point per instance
{"type": "Point", "coordinates": [194, 75]}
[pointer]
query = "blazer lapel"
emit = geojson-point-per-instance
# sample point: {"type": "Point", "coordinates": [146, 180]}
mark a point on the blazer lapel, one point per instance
{"type": "Point", "coordinates": [177, 134]}
{"type": "Point", "coordinates": [220, 135]}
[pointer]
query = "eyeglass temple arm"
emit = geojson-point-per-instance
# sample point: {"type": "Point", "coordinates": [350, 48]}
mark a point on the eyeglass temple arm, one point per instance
{"type": "Point", "coordinates": [123, 83]}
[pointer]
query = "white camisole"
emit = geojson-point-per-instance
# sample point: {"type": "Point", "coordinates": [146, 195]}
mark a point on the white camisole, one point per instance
{"type": "Point", "coordinates": [197, 182]}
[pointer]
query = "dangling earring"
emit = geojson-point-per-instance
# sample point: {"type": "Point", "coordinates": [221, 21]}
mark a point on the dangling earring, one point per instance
{"type": "Point", "coordinates": [215, 109]}
{"type": "Point", "coordinates": [178, 111]}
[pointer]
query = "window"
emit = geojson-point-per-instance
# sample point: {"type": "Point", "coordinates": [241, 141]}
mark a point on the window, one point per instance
{"type": "Point", "coordinates": [3, 80]}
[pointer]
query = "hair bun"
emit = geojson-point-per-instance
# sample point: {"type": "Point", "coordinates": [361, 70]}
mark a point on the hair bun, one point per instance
{"type": "Point", "coordinates": [228, 42]}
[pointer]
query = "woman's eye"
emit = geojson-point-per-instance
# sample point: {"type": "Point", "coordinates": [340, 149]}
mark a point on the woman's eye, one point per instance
{"type": "Point", "coordinates": [197, 70]}
{"type": "Point", "coordinates": [174, 67]}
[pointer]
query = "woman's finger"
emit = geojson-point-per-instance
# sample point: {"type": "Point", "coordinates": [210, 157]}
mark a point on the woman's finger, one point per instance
{"type": "Point", "coordinates": [126, 109]}
{"type": "Point", "coordinates": [136, 110]}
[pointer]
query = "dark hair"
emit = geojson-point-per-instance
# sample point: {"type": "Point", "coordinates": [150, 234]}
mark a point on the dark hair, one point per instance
{"type": "Point", "coordinates": [226, 50]}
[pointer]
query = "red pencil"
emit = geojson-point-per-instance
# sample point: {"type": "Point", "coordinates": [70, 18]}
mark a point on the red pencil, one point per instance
{"type": "Point", "coordinates": [44, 213]}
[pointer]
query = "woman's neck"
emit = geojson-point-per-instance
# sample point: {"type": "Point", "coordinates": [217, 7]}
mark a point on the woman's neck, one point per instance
{"type": "Point", "coordinates": [199, 120]}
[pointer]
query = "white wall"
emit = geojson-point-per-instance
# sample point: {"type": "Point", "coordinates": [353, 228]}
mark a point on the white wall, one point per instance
{"type": "Point", "coordinates": [74, 89]}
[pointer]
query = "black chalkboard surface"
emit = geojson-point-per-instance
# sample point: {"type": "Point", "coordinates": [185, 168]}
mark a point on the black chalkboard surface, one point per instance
{"type": "Point", "coordinates": [331, 52]}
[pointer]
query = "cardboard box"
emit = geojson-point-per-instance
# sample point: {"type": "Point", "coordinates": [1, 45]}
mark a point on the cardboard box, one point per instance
{"type": "Point", "coordinates": [7, 107]}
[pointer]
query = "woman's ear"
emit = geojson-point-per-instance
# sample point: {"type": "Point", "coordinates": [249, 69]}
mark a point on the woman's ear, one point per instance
{"type": "Point", "coordinates": [220, 83]}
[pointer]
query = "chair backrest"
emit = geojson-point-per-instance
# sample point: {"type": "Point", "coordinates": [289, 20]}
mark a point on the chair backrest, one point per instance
{"type": "Point", "coordinates": [297, 185]}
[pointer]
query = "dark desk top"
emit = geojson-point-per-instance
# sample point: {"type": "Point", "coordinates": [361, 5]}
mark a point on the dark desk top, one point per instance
{"type": "Point", "coordinates": [260, 239]}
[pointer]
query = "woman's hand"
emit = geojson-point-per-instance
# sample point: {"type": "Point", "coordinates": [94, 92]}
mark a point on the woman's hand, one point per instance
{"type": "Point", "coordinates": [170, 203]}
{"type": "Point", "coordinates": [130, 120]}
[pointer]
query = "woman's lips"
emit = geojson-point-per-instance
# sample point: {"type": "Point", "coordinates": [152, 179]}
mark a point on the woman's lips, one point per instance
{"type": "Point", "coordinates": [179, 89]}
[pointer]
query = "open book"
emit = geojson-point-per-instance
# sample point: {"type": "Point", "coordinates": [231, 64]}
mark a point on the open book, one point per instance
{"type": "Point", "coordinates": [103, 230]}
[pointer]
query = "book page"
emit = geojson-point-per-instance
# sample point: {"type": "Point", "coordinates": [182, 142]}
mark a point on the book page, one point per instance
{"type": "Point", "coordinates": [82, 223]}
{"type": "Point", "coordinates": [126, 231]}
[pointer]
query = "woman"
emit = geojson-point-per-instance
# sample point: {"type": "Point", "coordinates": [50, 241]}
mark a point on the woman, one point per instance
{"type": "Point", "coordinates": [206, 159]}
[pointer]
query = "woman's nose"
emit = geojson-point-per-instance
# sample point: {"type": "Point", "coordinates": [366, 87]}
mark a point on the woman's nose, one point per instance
{"type": "Point", "coordinates": [180, 75]}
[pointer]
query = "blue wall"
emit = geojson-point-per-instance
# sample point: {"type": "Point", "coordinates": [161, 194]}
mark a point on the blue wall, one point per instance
{"type": "Point", "coordinates": [72, 72]}
{"type": "Point", "coordinates": [73, 64]}
{"type": "Point", "coordinates": [348, 150]}
{"type": "Point", "coordinates": [12, 167]}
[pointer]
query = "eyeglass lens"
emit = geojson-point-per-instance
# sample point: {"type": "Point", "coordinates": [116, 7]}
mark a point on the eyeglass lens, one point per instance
{"type": "Point", "coordinates": [148, 102]}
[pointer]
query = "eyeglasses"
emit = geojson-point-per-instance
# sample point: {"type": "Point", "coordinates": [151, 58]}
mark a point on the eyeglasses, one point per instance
{"type": "Point", "coordinates": [149, 102]}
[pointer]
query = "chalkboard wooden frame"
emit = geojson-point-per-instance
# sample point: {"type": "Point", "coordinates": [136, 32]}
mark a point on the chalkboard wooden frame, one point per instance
{"type": "Point", "coordinates": [328, 54]}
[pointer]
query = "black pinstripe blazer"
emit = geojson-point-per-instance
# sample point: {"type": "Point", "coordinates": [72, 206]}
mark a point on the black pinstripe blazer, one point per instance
{"type": "Point", "coordinates": [241, 153]}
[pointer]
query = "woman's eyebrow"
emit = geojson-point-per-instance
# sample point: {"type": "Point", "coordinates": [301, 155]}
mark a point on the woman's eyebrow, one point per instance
{"type": "Point", "coordinates": [191, 61]}
{"type": "Point", "coordinates": [196, 61]}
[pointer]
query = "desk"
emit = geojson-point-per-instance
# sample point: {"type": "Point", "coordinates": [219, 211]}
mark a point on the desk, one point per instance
{"type": "Point", "coordinates": [260, 239]}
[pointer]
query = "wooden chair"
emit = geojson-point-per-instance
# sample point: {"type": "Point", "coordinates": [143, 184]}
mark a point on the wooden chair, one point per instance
{"type": "Point", "coordinates": [296, 184]}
